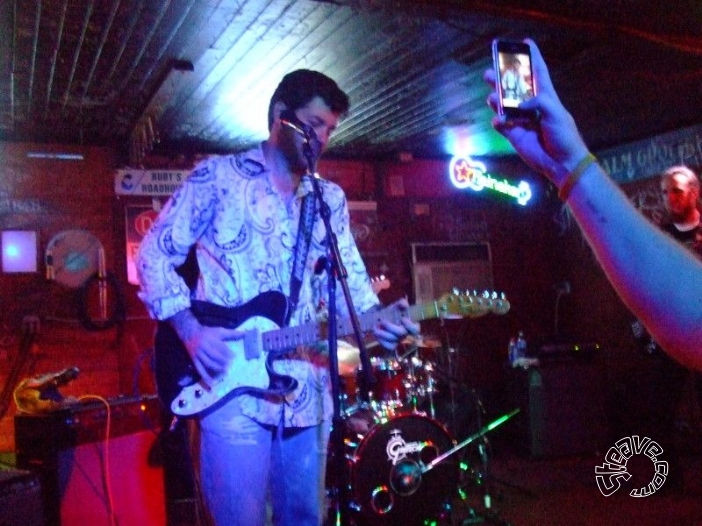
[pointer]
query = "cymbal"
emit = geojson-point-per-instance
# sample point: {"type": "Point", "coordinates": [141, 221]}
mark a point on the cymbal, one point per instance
{"type": "Point", "coordinates": [422, 341]}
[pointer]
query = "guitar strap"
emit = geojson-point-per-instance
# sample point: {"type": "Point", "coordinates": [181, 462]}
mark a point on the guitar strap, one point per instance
{"type": "Point", "coordinates": [302, 245]}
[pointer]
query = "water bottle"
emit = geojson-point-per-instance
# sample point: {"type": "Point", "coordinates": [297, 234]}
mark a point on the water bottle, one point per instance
{"type": "Point", "coordinates": [521, 345]}
{"type": "Point", "coordinates": [512, 353]}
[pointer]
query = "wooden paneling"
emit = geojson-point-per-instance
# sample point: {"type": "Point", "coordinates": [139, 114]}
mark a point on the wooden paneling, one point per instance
{"type": "Point", "coordinates": [533, 248]}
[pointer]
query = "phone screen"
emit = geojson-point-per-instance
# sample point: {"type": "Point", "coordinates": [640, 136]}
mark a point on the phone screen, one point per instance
{"type": "Point", "coordinates": [515, 78]}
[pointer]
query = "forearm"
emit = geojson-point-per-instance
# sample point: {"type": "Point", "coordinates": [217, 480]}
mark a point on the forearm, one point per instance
{"type": "Point", "coordinates": [655, 276]}
{"type": "Point", "coordinates": [185, 324]}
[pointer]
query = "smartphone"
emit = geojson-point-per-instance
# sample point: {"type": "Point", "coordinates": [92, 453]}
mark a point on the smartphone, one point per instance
{"type": "Point", "coordinates": [514, 77]}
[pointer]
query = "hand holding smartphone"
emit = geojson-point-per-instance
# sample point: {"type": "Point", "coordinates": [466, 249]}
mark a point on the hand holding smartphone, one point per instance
{"type": "Point", "coordinates": [514, 77]}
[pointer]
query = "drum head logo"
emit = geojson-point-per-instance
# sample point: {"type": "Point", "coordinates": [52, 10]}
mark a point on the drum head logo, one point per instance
{"type": "Point", "coordinates": [397, 448]}
{"type": "Point", "coordinates": [616, 468]}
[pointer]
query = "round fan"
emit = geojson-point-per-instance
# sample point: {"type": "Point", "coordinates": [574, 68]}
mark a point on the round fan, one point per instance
{"type": "Point", "coordinates": [72, 257]}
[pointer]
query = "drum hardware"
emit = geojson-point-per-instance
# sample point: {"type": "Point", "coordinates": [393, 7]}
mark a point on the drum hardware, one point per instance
{"type": "Point", "coordinates": [402, 470]}
{"type": "Point", "coordinates": [398, 384]}
{"type": "Point", "coordinates": [420, 385]}
{"type": "Point", "coordinates": [348, 358]}
{"type": "Point", "coordinates": [481, 475]}
{"type": "Point", "coordinates": [377, 496]}
{"type": "Point", "coordinates": [460, 398]}
{"type": "Point", "coordinates": [409, 473]}
{"type": "Point", "coordinates": [402, 466]}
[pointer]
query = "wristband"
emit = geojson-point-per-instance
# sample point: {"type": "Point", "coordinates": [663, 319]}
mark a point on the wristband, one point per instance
{"type": "Point", "coordinates": [573, 176]}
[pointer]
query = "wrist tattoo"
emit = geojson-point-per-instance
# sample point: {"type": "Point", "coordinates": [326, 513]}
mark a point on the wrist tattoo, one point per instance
{"type": "Point", "coordinates": [184, 323]}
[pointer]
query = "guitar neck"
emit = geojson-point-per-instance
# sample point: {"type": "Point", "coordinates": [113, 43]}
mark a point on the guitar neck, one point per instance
{"type": "Point", "coordinates": [368, 320]}
{"type": "Point", "coordinates": [310, 333]}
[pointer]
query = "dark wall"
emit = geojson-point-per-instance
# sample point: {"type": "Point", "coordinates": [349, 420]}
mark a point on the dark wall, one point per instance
{"type": "Point", "coordinates": [40, 319]}
{"type": "Point", "coordinates": [533, 248]}
{"type": "Point", "coordinates": [418, 204]}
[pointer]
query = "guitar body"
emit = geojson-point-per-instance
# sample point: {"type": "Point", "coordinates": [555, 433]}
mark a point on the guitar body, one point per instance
{"type": "Point", "coordinates": [179, 385]}
{"type": "Point", "coordinates": [251, 369]}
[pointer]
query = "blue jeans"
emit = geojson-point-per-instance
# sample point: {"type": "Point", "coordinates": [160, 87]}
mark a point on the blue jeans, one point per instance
{"type": "Point", "coordinates": [244, 467]}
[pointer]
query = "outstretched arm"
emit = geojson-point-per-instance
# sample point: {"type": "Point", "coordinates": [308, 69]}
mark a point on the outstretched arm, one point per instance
{"type": "Point", "coordinates": [657, 279]}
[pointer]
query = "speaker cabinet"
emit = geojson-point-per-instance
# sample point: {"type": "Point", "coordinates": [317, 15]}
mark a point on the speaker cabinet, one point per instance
{"type": "Point", "coordinates": [88, 478]}
{"type": "Point", "coordinates": [20, 499]}
{"type": "Point", "coordinates": [562, 409]}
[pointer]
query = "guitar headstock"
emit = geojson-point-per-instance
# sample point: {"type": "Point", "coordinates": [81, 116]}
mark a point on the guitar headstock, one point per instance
{"type": "Point", "coordinates": [461, 304]}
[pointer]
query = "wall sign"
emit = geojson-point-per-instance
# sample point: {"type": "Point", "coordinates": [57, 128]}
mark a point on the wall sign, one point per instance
{"type": "Point", "coordinates": [650, 157]}
{"type": "Point", "coordinates": [149, 182]}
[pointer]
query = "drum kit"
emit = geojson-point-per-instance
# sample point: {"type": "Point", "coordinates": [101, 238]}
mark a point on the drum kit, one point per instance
{"type": "Point", "coordinates": [400, 463]}
{"type": "Point", "coordinates": [399, 384]}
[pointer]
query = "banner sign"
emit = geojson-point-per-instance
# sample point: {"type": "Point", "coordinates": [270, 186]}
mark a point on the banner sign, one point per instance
{"type": "Point", "coordinates": [650, 157]}
{"type": "Point", "coordinates": [148, 182]}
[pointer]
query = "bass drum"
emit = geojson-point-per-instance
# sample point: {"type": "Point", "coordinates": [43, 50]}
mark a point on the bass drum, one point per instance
{"type": "Point", "coordinates": [387, 485]}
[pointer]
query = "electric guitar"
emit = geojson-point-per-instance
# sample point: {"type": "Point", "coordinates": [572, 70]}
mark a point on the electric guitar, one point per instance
{"type": "Point", "coordinates": [251, 370]}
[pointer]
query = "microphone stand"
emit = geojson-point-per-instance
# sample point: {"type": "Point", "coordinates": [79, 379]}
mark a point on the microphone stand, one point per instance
{"type": "Point", "coordinates": [336, 271]}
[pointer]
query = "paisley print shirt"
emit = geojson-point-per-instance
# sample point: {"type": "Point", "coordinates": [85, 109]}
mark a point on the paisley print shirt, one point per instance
{"type": "Point", "coordinates": [245, 234]}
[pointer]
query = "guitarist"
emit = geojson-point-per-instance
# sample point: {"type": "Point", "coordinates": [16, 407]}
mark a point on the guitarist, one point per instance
{"type": "Point", "coordinates": [255, 233]}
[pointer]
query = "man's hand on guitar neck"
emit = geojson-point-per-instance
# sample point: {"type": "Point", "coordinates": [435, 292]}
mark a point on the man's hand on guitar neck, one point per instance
{"type": "Point", "coordinates": [206, 345]}
{"type": "Point", "coordinates": [390, 334]}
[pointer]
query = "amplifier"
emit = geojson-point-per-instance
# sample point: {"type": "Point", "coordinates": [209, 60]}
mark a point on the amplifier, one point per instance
{"type": "Point", "coordinates": [20, 499]}
{"type": "Point", "coordinates": [90, 478]}
{"type": "Point", "coordinates": [567, 352]}
{"type": "Point", "coordinates": [562, 408]}
{"type": "Point", "coordinates": [82, 423]}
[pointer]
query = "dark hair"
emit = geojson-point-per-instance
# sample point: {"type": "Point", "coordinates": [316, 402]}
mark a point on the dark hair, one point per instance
{"type": "Point", "coordinates": [299, 87]}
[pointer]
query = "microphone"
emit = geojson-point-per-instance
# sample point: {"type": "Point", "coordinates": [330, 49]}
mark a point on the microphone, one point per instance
{"type": "Point", "coordinates": [289, 119]}
{"type": "Point", "coordinates": [313, 148]}
{"type": "Point", "coordinates": [40, 393]}
{"type": "Point", "coordinates": [49, 382]}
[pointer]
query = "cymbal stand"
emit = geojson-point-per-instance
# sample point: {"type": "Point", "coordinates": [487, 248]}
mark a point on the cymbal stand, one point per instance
{"type": "Point", "coordinates": [445, 371]}
{"type": "Point", "coordinates": [431, 389]}
{"type": "Point", "coordinates": [482, 476]}
{"type": "Point", "coordinates": [414, 392]}
{"type": "Point", "coordinates": [451, 370]}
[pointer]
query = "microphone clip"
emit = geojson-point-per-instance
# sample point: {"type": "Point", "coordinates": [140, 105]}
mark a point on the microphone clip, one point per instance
{"type": "Point", "coordinates": [312, 144]}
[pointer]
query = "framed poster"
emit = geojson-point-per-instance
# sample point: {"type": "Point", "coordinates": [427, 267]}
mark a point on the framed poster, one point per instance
{"type": "Point", "coordinates": [139, 219]}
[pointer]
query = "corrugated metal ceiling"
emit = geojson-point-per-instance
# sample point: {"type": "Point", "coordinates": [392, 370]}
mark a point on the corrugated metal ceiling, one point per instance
{"type": "Point", "coordinates": [196, 75]}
